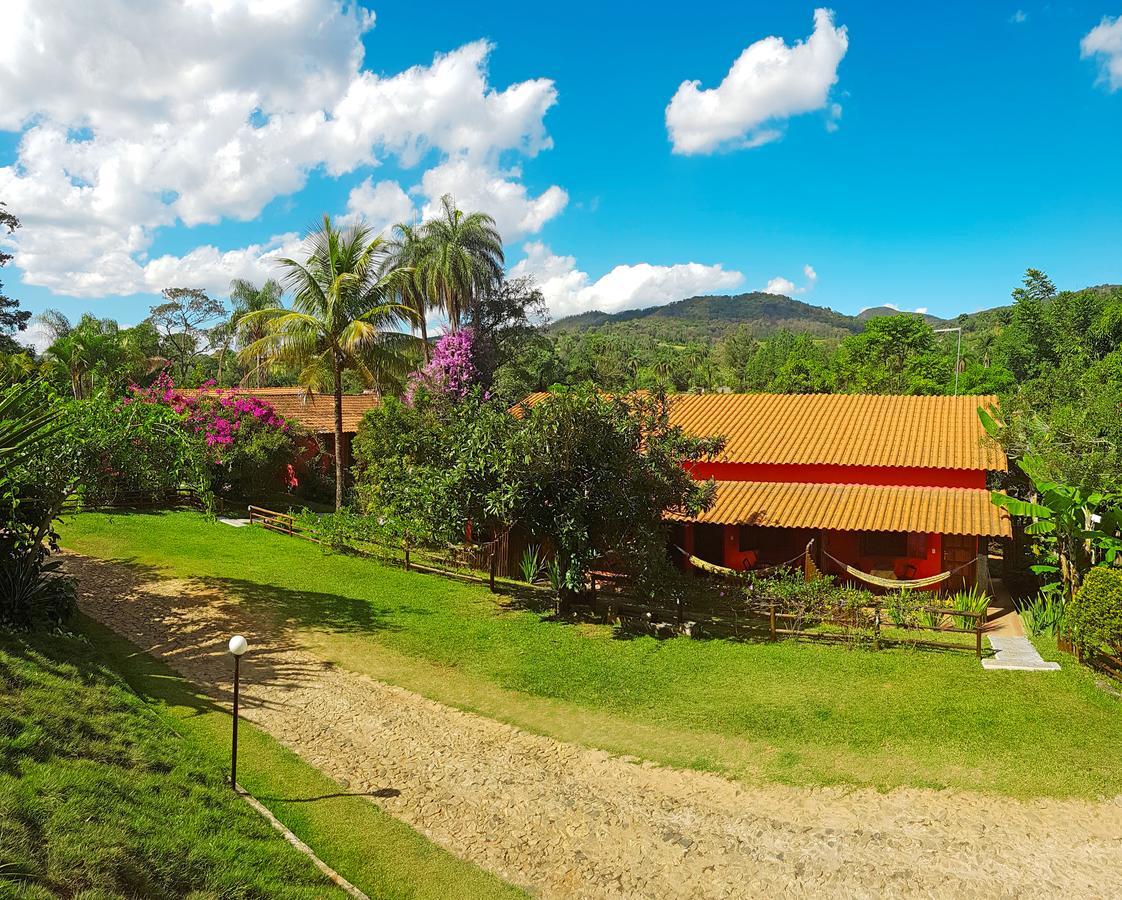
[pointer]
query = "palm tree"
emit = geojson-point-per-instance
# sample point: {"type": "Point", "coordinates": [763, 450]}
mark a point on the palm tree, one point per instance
{"type": "Point", "coordinates": [72, 353]}
{"type": "Point", "coordinates": [246, 298]}
{"type": "Point", "coordinates": [464, 257]}
{"type": "Point", "coordinates": [408, 250]}
{"type": "Point", "coordinates": [343, 308]}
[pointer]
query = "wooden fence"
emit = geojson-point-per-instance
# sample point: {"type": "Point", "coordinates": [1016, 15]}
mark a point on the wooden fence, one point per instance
{"type": "Point", "coordinates": [771, 619]}
{"type": "Point", "coordinates": [477, 562]}
{"type": "Point", "coordinates": [180, 498]}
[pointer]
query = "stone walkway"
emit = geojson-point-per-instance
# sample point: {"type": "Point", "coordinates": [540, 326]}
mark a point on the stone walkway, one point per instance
{"type": "Point", "coordinates": [1018, 654]}
{"type": "Point", "coordinates": [565, 821]}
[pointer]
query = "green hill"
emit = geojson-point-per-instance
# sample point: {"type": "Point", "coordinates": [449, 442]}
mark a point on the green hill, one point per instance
{"type": "Point", "coordinates": [707, 317]}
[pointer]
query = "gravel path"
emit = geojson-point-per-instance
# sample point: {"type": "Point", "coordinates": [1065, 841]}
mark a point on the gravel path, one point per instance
{"type": "Point", "coordinates": [566, 821]}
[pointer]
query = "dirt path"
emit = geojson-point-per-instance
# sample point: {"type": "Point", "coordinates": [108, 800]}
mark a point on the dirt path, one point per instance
{"type": "Point", "coordinates": [565, 821]}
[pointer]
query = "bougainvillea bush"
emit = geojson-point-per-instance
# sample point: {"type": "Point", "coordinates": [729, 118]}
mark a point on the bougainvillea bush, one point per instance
{"type": "Point", "coordinates": [246, 444]}
{"type": "Point", "coordinates": [452, 370]}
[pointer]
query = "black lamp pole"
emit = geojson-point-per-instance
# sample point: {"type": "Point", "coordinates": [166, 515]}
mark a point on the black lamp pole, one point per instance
{"type": "Point", "coordinates": [238, 646]}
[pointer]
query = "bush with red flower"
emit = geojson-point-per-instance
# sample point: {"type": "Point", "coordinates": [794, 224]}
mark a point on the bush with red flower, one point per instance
{"type": "Point", "coordinates": [247, 444]}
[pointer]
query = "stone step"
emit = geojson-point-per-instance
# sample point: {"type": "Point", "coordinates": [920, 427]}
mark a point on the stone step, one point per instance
{"type": "Point", "coordinates": [1016, 654]}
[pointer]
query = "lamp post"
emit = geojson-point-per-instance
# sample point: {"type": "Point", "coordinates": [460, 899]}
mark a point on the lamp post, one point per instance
{"type": "Point", "coordinates": [238, 646]}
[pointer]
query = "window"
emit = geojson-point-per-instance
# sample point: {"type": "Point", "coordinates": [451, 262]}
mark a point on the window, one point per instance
{"type": "Point", "coordinates": [884, 543]}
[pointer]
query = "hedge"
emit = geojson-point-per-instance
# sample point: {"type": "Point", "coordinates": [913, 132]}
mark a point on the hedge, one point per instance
{"type": "Point", "coordinates": [1095, 614]}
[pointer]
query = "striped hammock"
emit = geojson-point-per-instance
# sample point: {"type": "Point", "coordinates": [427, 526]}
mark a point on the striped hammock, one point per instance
{"type": "Point", "coordinates": [714, 569]}
{"type": "Point", "coordinates": [895, 583]}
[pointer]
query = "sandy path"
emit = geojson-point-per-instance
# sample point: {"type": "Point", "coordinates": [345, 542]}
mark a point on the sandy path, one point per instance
{"type": "Point", "coordinates": [565, 821]}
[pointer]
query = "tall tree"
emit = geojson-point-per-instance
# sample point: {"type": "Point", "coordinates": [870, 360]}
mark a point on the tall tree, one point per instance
{"type": "Point", "coordinates": [183, 320]}
{"type": "Point", "coordinates": [464, 258]}
{"type": "Point", "coordinates": [247, 298]}
{"type": "Point", "coordinates": [12, 318]}
{"type": "Point", "coordinates": [407, 252]}
{"type": "Point", "coordinates": [344, 307]}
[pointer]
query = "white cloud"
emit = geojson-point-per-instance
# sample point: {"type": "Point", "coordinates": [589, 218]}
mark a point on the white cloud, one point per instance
{"type": "Point", "coordinates": [767, 84]}
{"type": "Point", "coordinates": [569, 290]}
{"type": "Point", "coordinates": [483, 187]}
{"type": "Point", "coordinates": [37, 336]}
{"type": "Point", "coordinates": [780, 286]}
{"type": "Point", "coordinates": [126, 133]}
{"type": "Point", "coordinates": [1019, 17]}
{"type": "Point", "coordinates": [921, 310]}
{"type": "Point", "coordinates": [380, 205]}
{"type": "Point", "coordinates": [1105, 41]}
{"type": "Point", "coordinates": [788, 288]}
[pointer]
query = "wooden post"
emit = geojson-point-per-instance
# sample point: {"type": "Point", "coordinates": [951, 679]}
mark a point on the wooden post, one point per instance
{"type": "Point", "coordinates": [876, 628]}
{"type": "Point", "coordinates": [771, 618]}
{"type": "Point", "coordinates": [493, 563]}
{"type": "Point", "coordinates": [405, 547]}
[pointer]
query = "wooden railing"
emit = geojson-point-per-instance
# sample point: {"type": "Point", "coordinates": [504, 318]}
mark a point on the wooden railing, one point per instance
{"type": "Point", "coordinates": [477, 562]}
{"type": "Point", "coordinates": [611, 598]}
{"type": "Point", "coordinates": [180, 498]}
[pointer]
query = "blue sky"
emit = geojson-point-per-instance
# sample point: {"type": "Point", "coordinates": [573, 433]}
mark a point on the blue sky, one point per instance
{"type": "Point", "coordinates": [971, 142]}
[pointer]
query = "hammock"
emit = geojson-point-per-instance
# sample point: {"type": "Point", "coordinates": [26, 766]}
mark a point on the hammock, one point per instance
{"type": "Point", "coordinates": [725, 572]}
{"type": "Point", "coordinates": [892, 583]}
{"type": "Point", "coordinates": [896, 583]}
{"type": "Point", "coordinates": [714, 569]}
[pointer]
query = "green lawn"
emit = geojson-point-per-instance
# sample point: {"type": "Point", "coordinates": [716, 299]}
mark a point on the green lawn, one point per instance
{"type": "Point", "coordinates": [791, 712]}
{"type": "Point", "coordinates": [111, 782]}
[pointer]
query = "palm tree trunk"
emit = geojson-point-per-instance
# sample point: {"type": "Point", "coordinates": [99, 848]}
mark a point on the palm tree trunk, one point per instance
{"type": "Point", "coordinates": [425, 338]}
{"type": "Point", "coordinates": [336, 365]}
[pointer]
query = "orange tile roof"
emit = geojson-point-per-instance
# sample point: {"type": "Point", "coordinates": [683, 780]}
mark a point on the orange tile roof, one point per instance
{"type": "Point", "coordinates": [314, 411]}
{"type": "Point", "coordinates": [856, 507]}
{"type": "Point", "coordinates": [840, 429]}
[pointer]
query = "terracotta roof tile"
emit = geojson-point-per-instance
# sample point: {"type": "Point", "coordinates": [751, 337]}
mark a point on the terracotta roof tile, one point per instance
{"type": "Point", "coordinates": [840, 429]}
{"type": "Point", "coordinates": [314, 411]}
{"type": "Point", "coordinates": [856, 507]}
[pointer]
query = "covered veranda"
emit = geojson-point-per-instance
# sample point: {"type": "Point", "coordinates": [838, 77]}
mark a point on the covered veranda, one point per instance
{"type": "Point", "coordinates": [889, 533]}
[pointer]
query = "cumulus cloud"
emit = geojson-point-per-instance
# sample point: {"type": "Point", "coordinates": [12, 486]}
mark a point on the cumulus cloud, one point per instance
{"type": "Point", "coordinates": [124, 133]}
{"type": "Point", "coordinates": [767, 84]}
{"type": "Point", "coordinates": [1104, 43]}
{"type": "Point", "coordinates": [569, 290]}
{"type": "Point", "coordinates": [477, 186]}
{"type": "Point", "coordinates": [788, 288]}
{"type": "Point", "coordinates": [381, 205]}
{"type": "Point", "coordinates": [37, 336]}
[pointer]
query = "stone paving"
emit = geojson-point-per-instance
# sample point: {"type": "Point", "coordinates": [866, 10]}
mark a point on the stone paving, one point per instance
{"type": "Point", "coordinates": [566, 821]}
{"type": "Point", "coordinates": [1018, 654]}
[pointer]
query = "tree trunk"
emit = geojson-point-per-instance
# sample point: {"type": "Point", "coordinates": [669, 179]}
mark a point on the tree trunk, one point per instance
{"type": "Point", "coordinates": [338, 373]}
{"type": "Point", "coordinates": [424, 337]}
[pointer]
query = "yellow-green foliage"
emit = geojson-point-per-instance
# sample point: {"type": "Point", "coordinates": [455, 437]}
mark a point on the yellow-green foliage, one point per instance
{"type": "Point", "coordinates": [1095, 614]}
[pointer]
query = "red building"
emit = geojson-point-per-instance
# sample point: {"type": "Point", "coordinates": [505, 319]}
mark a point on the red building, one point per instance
{"type": "Point", "coordinates": [892, 486]}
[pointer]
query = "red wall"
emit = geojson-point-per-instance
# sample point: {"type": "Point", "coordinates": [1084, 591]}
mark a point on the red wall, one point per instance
{"type": "Point", "coordinates": [846, 546]}
{"type": "Point", "coordinates": [914, 476]}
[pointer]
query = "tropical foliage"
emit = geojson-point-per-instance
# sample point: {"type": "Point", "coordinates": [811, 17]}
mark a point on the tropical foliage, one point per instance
{"type": "Point", "coordinates": [589, 475]}
{"type": "Point", "coordinates": [343, 316]}
{"type": "Point", "coordinates": [1094, 615]}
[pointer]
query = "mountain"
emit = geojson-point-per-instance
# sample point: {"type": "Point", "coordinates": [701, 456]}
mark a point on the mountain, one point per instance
{"type": "Point", "coordinates": [699, 318]}
{"type": "Point", "coordinates": [874, 312]}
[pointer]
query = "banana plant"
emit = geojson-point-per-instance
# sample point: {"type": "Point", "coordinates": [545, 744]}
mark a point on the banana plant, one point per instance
{"type": "Point", "coordinates": [1072, 523]}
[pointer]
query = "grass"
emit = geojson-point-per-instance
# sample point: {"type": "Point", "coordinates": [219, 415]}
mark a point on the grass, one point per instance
{"type": "Point", "coordinates": [112, 783]}
{"type": "Point", "coordinates": [789, 712]}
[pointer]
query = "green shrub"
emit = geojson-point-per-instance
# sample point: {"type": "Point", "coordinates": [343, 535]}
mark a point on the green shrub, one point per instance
{"type": "Point", "coordinates": [1044, 614]}
{"type": "Point", "coordinates": [1095, 613]}
{"type": "Point", "coordinates": [531, 564]}
{"type": "Point", "coordinates": [901, 608]}
{"type": "Point", "coordinates": [972, 599]}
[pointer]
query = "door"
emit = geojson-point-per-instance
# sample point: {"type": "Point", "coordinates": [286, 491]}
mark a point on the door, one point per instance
{"type": "Point", "coordinates": [958, 550]}
{"type": "Point", "coordinates": [709, 543]}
